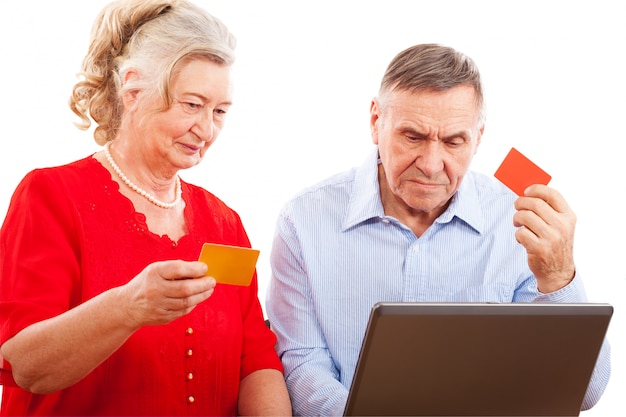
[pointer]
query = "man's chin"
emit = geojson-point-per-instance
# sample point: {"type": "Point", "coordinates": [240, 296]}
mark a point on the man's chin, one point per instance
{"type": "Point", "coordinates": [428, 204]}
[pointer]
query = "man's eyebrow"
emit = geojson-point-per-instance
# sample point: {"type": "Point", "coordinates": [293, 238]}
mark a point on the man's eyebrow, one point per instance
{"type": "Point", "coordinates": [412, 131]}
{"type": "Point", "coordinates": [465, 134]}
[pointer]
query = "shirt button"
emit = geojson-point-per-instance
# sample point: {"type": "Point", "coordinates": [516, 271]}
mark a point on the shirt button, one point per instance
{"type": "Point", "coordinates": [189, 353]}
{"type": "Point", "coordinates": [189, 331]}
{"type": "Point", "coordinates": [385, 220]}
{"type": "Point", "coordinates": [190, 399]}
{"type": "Point", "coordinates": [416, 248]}
{"type": "Point", "coordinates": [189, 376]}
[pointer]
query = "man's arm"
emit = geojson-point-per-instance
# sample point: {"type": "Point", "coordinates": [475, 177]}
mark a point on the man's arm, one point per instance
{"type": "Point", "coordinates": [311, 376]}
{"type": "Point", "coordinates": [547, 233]}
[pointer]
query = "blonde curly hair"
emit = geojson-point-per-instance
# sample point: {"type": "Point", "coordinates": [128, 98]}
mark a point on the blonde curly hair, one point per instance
{"type": "Point", "coordinates": [152, 37]}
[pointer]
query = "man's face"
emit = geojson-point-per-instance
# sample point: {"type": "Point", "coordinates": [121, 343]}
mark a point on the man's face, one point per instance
{"type": "Point", "coordinates": [426, 140]}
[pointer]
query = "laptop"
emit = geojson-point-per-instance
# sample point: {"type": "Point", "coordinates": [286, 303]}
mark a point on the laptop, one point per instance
{"type": "Point", "coordinates": [477, 359]}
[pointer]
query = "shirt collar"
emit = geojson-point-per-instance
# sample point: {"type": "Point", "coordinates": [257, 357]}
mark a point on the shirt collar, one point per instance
{"type": "Point", "coordinates": [365, 201]}
{"type": "Point", "coordinates": [465, 205]}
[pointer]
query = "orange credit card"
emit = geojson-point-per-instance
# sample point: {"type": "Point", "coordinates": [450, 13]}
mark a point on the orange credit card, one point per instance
{"type": "Point", "coordinates": [518, 172]}
{"type": "Point", "coordinates": [229, 264]}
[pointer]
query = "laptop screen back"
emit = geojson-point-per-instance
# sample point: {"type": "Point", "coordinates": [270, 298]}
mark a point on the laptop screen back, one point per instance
{"type": "Point", "coordinates": [460, 359]}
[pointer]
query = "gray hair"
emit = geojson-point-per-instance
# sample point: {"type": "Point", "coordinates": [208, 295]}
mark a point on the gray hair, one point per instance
{"type": "Point", "coordinates": [152, 37]}
{"type": "Point", "coordinates": [433, 67]}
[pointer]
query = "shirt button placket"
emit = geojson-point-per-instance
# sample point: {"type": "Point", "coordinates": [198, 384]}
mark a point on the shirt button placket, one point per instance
{"type": "Point", "coordinates": [189, 373]}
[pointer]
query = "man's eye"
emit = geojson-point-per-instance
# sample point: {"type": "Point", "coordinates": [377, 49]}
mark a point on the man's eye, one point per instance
{"type": "Point", "coordinates": [454, 143]}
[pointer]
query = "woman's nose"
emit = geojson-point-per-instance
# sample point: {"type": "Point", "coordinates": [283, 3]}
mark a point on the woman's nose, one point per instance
{"type": "Point", "coordinates": [205, 126]}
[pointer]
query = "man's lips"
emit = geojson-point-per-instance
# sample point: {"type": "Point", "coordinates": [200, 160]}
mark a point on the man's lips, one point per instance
{"type": "Point", "coordinates": [426, 183]}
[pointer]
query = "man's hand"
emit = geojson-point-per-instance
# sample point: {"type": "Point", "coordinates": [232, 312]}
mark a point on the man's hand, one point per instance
{"type": "Point", "coordinates": [546, 229]}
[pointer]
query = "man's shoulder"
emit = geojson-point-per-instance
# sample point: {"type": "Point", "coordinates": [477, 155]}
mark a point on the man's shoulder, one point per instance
{"type": "Point", "coordinates": [331, 193]}
{"type": "Point", "coordinates": [335, 184]}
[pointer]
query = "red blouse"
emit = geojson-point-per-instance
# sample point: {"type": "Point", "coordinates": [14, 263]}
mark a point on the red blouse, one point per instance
{"type": "Point", "coordinates": [70, 235]}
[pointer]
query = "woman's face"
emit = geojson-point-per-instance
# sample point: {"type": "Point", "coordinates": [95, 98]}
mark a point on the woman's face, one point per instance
{"type": "Point", "coordinates": [178, 137]}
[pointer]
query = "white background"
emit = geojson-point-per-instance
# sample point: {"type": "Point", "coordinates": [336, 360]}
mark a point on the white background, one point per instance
{"type": "Point", "coordinates": [305, 75]}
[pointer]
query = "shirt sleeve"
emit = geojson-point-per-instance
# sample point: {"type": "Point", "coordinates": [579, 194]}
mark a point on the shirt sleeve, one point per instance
{"type": "Point", "coordinates": [574, 292]}
{"type": "Point", "coordinates": [311, 375]}
{"type": "Point", "coordinates": [38, 255]}
{"type": "Point", "coordinates": [258, 340]}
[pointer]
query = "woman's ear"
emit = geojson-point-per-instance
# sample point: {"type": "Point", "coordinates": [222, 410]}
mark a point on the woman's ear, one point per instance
{"type": "Point", "coordinates": [130, 95]}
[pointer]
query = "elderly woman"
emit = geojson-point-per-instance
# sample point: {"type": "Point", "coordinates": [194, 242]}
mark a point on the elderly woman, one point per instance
{"type": "Point", "coordinates": [104, 308]}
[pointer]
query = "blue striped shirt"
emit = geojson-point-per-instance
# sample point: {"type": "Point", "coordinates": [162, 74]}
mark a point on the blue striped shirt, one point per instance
{"type": "Point", "coordinates": [335, 254]}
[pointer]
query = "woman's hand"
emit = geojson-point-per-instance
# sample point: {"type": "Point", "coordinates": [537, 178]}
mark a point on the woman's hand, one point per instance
{"type": "Point", "coordinates": [165, 291]}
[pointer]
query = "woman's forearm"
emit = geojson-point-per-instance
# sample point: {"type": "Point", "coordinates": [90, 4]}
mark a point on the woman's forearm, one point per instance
{"type": "Point", "coordinates": [56, 353]}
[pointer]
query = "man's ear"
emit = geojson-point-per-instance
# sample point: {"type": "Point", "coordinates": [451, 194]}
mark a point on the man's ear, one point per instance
{"type": "Point", "coordinates": [374, 118]}
{"type": "Point", "coordinates": [480, 136]}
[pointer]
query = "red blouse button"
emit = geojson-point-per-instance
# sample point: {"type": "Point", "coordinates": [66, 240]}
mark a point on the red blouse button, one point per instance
{"type": "Point", "coordinates": [190, 399]}
{"type": "Point", "coordinates": [189, 331]}
{"type": "Point", "coordinates": [189, 376]}
{"type": "Point", "coordinates": [189, 353]}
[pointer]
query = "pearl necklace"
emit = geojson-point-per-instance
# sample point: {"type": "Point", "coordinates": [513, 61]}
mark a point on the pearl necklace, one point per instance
{"type": "Point", "coordinates": [138, 190]}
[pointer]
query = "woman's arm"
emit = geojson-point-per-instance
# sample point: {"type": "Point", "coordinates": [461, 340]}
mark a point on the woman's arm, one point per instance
{"type": "Point", "coordinates": [56, 353]}
{"type": "Point", "coordinates": [264, 393]}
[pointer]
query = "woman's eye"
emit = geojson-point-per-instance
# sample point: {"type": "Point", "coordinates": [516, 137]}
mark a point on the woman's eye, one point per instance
{"type": "Point", "coordinates": [193, 106]}
{"type": "Point", "coordinates": [190, 106]}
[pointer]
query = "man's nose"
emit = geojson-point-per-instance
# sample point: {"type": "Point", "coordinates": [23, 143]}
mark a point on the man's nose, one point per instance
{"type": "Point", "coordinates": [430, 158]}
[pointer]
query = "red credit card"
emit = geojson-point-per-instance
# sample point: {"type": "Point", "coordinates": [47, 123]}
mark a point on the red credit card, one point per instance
{"type": "Point", "coordinates": [518, 172]}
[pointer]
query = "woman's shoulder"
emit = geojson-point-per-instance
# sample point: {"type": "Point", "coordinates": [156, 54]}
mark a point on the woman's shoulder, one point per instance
{"type": "Point", "coordinates": [70, 181]}
{"type": "Point", "coordinates": [207, 212]}
{"type": "Point", "coordinates": [55, 188]}
{"type": "Point", "coordinates": [75, 171]}
{"type": "Point", "coordinates": [202, 199]}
